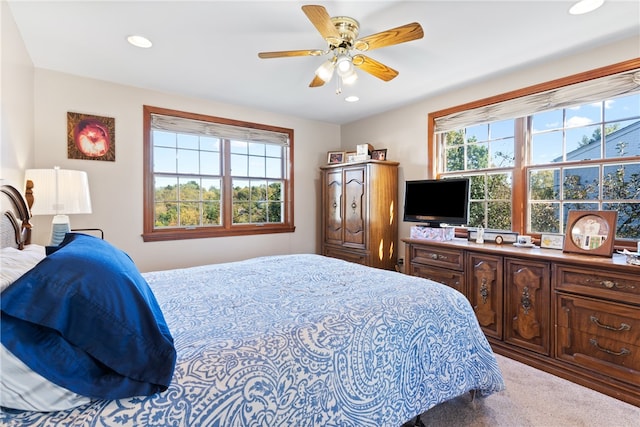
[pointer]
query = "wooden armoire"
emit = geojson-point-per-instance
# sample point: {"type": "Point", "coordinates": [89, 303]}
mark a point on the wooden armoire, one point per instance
{"type": "Point", "coordinates": [360, 212]}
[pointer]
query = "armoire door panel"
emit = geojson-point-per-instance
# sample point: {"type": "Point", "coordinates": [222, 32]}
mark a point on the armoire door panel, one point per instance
{"type": "Point", "coordinates": [354, 207]}
{"type": "Point", "coordinates": [333, 208]}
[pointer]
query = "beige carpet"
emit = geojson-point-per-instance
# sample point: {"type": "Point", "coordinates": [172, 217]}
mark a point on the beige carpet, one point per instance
{"type": "Point", "coordinates": [533, 398]}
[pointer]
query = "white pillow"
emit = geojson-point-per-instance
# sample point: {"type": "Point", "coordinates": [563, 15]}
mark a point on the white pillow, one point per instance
{"type": "Point", "coordinates": [14, 263]}
{"type": "Point", "coordinates": [22, 388]}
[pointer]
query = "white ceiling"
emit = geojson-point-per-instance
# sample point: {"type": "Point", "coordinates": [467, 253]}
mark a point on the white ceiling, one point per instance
{"type": "Point", "coordinates": [209, 49]}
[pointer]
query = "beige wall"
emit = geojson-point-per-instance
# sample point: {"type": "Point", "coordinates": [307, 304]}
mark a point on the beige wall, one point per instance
{"type": "Point", "coordinates": [404, 131]}
{"type": "Point", "coordinates": [16, 101]}
{"type": "Point", "coordinates": [116, 187]}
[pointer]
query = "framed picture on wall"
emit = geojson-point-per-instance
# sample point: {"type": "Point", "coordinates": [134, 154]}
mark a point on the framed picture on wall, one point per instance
{"type": "Point", "coordinates": [91, 137]}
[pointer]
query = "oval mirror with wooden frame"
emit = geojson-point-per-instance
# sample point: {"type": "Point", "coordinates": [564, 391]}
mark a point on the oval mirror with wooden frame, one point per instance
{"type": "Point", "coordinates": [590, 232]}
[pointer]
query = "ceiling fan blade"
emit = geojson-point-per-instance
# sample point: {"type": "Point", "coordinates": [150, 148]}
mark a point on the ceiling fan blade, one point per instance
{"type": "Point", "coordinates": [403, 34]}
{"type": "Point", "coordinates": [316, 82]}
{"type": "Point", "coordinates": [374, 67]}
{"type": "Point", "coordinates": [322, 21]}
{"type": "Point", "coordinates": [289, 53]}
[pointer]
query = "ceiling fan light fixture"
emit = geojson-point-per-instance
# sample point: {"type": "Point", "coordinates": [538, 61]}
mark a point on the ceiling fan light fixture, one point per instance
{"type": "Point", "coordinates": [344, 65]}
{"type": "Point", "coordinates": [325, 71]}
{"type": "Point", "coordinates": [350, 77]}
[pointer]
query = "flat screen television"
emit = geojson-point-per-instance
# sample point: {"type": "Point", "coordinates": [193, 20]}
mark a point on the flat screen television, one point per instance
{"type": "Point", "coordinates": [437, 202]}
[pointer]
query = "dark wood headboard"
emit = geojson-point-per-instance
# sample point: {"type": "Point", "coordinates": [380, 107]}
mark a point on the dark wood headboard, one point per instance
{"type": "Point", "coordinates": [15, 228]}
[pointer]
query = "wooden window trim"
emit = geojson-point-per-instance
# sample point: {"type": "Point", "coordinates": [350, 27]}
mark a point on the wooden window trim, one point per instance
{"type": "Point", "coordinates": [150, 234]}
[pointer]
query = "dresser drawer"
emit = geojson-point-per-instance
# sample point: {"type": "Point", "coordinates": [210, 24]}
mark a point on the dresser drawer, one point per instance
{"type": "Point", "coordinates": [438, 257]}
{"type": "Point", "coordinates": [601, 336]}
{"type": "Point", "coordinates": [454, 279]}
{"type": "Point", "coordinates": [604, 284]}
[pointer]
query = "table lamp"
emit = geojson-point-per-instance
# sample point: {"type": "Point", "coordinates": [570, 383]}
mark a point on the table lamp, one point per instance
{"type": "Point", "coordinates": [59, 192]}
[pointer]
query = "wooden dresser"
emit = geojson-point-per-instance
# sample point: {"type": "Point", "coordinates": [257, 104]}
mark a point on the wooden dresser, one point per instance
{"type": "Point", "coordinates": [360, 212]}
{"type": "Point", "coordinates": [574, 316]}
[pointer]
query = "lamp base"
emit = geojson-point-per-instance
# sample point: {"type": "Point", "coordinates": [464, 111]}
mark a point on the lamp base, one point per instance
{"type": "Point", "coordinates": [60, 226]}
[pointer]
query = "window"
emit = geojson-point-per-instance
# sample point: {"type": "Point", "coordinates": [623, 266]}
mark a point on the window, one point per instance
{"type": "Point", "coordinates": [207, 177]}
{"type": "Point", "coordinates": [534, 154]}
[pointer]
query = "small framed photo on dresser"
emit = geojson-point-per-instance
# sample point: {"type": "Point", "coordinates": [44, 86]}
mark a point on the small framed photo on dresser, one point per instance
{"type": "Point", "coordinates": [379, 154]}
{"type": "Point", "coordinates": [335, 157]}
{"type": "Point", "coordinates": [552, 241]}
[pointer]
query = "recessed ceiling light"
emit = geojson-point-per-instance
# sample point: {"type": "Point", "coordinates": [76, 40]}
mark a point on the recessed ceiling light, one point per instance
{"type": "Point", "coordinates": [352, 98]}
{"type": "Point", "coordinates": [139, 41]}
{"type": "Point", "coordinates": [585, 6]}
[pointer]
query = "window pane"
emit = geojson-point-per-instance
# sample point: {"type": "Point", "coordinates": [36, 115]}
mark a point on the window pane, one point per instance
{"type": "Point", "coordinates": [477, 133]}
{"type": "Point", "coordinates": [273, 150]}
{"type": "Point", "coordinates": [239, 147]}
{"type": "Point", "coordinates": [502, 129]}
{"type": "Point", "coordinates": [209, 144]}
{"type": "Point", "coordinates": [502, 155]}
{"type": "Point", "coordinates": [257, 166]}
{"type": "Point", "coordinates": [544, 184]}
{"type": "Point", "coordinates": [581, 183]}
{"type": "Point", "coordinates": [584, 143]}
{"type": "Point", "coordinates": [163, 139]}
{"type": "Point", "coordinates": [499, 186]}
{"type": "Point", "coordinates": [164, 160]}
{"type": "Point", "coordinates": [166, 189]}
{"type": "Point", "coordinates": [621, 181]}
{"type": "Point", "coordinates": [628, 226]}
{"type": "Point", "coordinates": [166, 214]}
{"type": "Point", "coordinates": [256, 149]}
{"type": "Point", "coordinates": [545, 218]}
{"type": "Point", "coordinates": [624, 107]}
{"type": "Point", "coordinates": [477, 214]}
{"type": "Point", "coordinates": [188, 161]}
{"type": "Point", "coordinates": [546, 148]}
{"type": "Point", "coordinates": [622, 139]}
{"type": "Point", "coordinates": [209, 163]}
{"type": "Point", "coordinates": [499, 215]}
{"type": "Point", "coordinates": [188, 141]}
{"type": "Point", "coordinates": [258, 190]}
{"type": "Point", "coordinates": [455, 159]}
{"type": "Point", "coordinates": [239, 165]}
{"type": "Point", "coordinates": [275, 191]}
{"type": "Point", "coordinates": [477, 156]}
{"type": "Point", "coordinates": [274, 168]}
{"type": "Point", "coordinates": [583, 115]}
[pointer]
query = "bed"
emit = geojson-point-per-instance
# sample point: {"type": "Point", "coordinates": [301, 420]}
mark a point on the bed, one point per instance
{"type": "Point", "coordinates": [287, 340]}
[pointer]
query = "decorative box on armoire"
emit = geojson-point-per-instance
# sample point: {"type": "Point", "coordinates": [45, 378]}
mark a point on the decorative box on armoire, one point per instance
{"type": "Point", "coordinates": [360, 212]}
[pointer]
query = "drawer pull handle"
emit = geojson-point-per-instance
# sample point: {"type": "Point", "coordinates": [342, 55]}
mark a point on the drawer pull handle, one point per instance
{"type": "Point", "coordinates": [434, 256]}
{"type": "Point", "coordinates": [608, 284]}
{"type": "Point", "coordinates": [622, 352]}
{"type": "Point", "coordinates": [623, 326]}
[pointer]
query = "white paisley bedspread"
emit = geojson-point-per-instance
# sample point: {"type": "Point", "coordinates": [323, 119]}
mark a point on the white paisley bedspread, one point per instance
{"type": "Point", "coordinates": [301, 340]}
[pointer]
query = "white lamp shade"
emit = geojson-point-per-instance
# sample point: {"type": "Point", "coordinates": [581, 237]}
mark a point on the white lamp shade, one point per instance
{"type": "Point", "coordinates": [59, 191]}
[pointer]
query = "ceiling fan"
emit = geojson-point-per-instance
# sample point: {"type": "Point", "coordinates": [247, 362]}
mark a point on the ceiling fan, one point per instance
{"type": "Point", "coordinates": [341, 35]}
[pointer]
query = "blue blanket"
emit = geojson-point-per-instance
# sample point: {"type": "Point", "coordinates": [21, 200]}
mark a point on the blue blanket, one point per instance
{"type": "Point", "coordinates": [302, 340]}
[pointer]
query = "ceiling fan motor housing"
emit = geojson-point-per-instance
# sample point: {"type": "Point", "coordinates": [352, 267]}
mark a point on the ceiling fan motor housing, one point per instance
{"type": "Point", "coordinates": [348, 28]}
